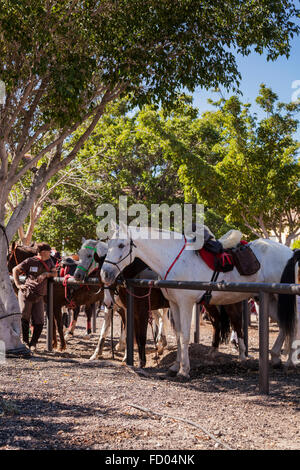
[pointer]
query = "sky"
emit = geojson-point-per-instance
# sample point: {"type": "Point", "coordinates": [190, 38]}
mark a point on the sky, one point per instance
{"type": "Point", "coordinates": [279, 75]}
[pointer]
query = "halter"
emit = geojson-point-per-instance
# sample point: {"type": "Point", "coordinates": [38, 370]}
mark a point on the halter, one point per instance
{"type": "Point", "coordinates": [13, 254]}
{"type": "Point", "coordinates": [87, 247]}
{"type": "Point", "coordinates": [124, 257]}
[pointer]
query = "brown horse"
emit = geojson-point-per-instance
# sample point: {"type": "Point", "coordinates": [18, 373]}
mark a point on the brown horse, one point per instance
{"type": "Point", "coordinates": [82, 295]}
{"type": "Point", "coordinates": [143, 304]}
{"type": "Point", "coordinates": [87, 296]}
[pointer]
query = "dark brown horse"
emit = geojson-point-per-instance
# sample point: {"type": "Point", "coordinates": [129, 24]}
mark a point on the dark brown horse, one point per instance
{"type": "Point", "coordinates": [88, 295]}
{"type": "Point", "coordinates": [222, 318]}
{"type": "Point", "coordinates": [81, 295]}
{"type": "Point", "coordinates": [143, 304]}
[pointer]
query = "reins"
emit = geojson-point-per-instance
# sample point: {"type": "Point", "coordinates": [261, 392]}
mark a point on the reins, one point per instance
{"type": "Point", "coordinates": [124, 257]}
{"type": "Point", "coordinates": [13, 254]}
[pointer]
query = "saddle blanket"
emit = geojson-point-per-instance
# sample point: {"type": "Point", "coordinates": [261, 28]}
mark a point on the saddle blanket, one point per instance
{"type": "Point", "coordinates": [223, 262]}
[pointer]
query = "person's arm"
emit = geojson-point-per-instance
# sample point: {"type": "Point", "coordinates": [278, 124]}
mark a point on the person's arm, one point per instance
{"type": "Point", "coordinates": [16, 273]}
{"type": "Point", "coordinates": [47, 274]}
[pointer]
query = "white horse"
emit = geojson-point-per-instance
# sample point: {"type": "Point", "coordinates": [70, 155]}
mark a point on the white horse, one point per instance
{"type": "Point", "coordinates": [91, 253]}
{"type": "Point", "coordinates": [159, 250]}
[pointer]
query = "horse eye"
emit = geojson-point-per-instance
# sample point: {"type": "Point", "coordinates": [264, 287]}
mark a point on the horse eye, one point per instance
{"type": "Point", "coordinates": [121, 245]}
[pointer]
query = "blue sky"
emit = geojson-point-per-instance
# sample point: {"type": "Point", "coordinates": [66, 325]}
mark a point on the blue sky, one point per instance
{"type": "Point", "coordinates": [255, 69]}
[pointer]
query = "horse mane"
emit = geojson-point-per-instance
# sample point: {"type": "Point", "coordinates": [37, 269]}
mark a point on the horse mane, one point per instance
{"type": "Point", "coordinates": [27, 249]}
{"type": "Point", "coordinates": [136, 267]}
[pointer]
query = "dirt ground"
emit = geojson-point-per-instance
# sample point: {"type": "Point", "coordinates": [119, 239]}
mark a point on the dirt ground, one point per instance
{"type": "Point", "coordinates": [63, 401]}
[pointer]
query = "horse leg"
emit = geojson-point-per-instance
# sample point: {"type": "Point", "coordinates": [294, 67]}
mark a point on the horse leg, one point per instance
{"type": "Point", "coordinates": [121, 346]}
{"type": "Point", "coordinates": [276, 349]}
{"type": "Point", "coordinates": [214, 316]}
{"type": "Point", "coordinates": [54, 341]}
{"type": "Point", "coordinates": [89, 312]}
{"type": "Point", "coordinates": [140, 326]}
{"type": "Point", "coordinates": [234, 312]}
{"type": "Point", "coordinates": [70, 330]}
{"type": "Point", "coordinates": [160, 319]}
{"type": "Point", "coordinates": [104, 330]}
{"type": "Point", "coordinates": [185, 309]}
{"type": "Point", "coordinates": [176, 323]}
{"type": "Point", "coordinates": [234, 340]}
{"type": "Point", "coordinates": [60, 327]}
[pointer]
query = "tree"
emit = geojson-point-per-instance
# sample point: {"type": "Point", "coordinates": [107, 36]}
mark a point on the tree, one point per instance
{"type": "Point", "coordinates": [122, 157]}
{"type": "Point", "coordinates": [63, 61]}
{"type": "Point", "coordinates": [247, 171]}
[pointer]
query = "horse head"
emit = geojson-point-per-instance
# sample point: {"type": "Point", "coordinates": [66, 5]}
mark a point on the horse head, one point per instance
{"type": "Point", "coordinates": [91, 255]}
{"type": "Point", "coordinates": [119, 255]}
{"type": "Point", "coordinates": [19, 253]}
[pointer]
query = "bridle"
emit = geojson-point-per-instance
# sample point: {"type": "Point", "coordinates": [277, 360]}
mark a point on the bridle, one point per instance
{"type": "Point", "coordinates": [13, 254]}
{"type": "Point", "coordinates": [82, 268]}
{"type": "Point", "coordinates": [132, 244]}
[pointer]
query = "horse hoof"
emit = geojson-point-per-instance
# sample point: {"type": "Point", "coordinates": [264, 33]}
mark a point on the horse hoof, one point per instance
{"type": "Point", "coordinates": [171, 373]}
{"type": "Point", "coordinates": [276, 364]}
{"type": "Point", "coordinates": [182, 377]}
{"type": "Point", "coordinates": [212, 353]}
{"type": "Point", "coordinates": [142, 364]}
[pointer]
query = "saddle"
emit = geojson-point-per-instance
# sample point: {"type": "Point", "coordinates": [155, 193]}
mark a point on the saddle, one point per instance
{"type": "Point", "coordinates": [221, 260]}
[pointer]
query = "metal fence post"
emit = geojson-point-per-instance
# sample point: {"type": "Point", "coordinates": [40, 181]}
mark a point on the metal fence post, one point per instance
{"type": "Point", "coordinates": [264, 343]}
{"type": "Point", "coordinates": [50, 315]}
{"type": "Point", "coordinates": [130, 324]}
{"type": "Point", "coordinates": [245, 324]}
{"type": "Point", "coordinates": [94, 316]}
{"type": "Point", "coordinates": [197, 323]}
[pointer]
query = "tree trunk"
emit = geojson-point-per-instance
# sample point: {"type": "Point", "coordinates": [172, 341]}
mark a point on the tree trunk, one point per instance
{"type": "Point", "coordinates": [10, 317]}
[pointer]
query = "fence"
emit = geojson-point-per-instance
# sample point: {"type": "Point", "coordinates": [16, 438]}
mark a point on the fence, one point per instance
{"type": "Point", "coordinates": [263, 289]}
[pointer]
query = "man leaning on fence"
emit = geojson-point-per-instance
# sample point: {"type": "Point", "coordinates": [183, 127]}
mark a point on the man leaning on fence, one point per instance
{"type": "Point", "coordinates": [37, 270]}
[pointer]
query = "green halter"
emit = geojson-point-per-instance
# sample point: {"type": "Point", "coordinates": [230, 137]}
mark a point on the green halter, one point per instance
{"type": "Point", "coordinates": [87, 269]}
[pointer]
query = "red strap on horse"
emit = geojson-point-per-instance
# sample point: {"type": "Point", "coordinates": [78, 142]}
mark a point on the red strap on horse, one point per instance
{"type": "Point", "coordinates": [143, 297]}
{"type": "Point", "coordinates": [176, 259]}
{"type": "Point", "coordinates": [45, 264]}
{"type": "Point", "coordinates": [71, 303]}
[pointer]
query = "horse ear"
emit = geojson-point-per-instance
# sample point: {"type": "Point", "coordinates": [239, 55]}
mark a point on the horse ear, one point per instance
{"type": "Point", "coordinates": [123, 230]}
{"type": "Point", "coordinates": [114, 226]}
{"type": "Point", "coordinates": [83, 240]}
{"type": "Point", "coordinates": [101, 249]}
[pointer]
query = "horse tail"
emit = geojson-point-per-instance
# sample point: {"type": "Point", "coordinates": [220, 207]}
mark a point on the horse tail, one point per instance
{"type": "Point", "coordinates": [287, 302]}
{"type": "Point", "coordinates": [171, 319]}
{"type": "Point", "coordinates": [224, 325]}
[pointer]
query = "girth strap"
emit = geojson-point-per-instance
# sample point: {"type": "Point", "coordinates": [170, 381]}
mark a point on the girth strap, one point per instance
{"type": "Point", "coordinates": [206, 297]}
